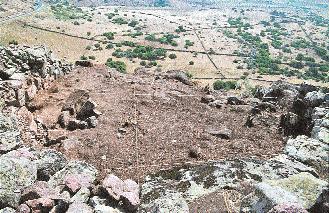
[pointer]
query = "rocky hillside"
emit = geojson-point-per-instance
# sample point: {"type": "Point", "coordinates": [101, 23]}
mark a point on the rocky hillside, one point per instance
{"type": "Point", "coordinates": [93, 140]}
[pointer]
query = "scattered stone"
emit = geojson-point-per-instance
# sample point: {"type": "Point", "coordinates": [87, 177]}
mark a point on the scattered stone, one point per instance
{"type": "Point", "coordinates": [92, 121]}
{"type": "Point", "coordinates": [172, 202]}
{"type": "Point", "coordinates": [79, 208]}
{"type": "Point", "coordinates": [55, 136]}
{"type": "Point", "coordinates": [6, 74]}
{"type": "Point", "coordinates": [39, 189]}
{"type": "Point", "coordinates": [40, 204]}
{"type": "Point", "coordinates": [75, 101]}
{"type": "Point", "coordinates": [235, 101]}
{"type": "Point", "coordinates": [207, 99]}
{"type": "Point", "coordinates": [114, 186]}
{"type": "Point", "coordinates": [82, 196]}
{"type": "Point", "coordinates": [23, 208]}
{"type": "Point", "coordinates": [223, 132]}
{"type": "Point", "coordinates": [314, 99]}
{"type": "Point", "coordinates": [84, 63]}
{"type": "Point", "coordinates": [194, 152]}
{"type": "Point", "coordinates": [86, 110]}
{"type": "Point", "coordinates": [76, 182]}
{"type": "Point", "coordinates": [64, 118]}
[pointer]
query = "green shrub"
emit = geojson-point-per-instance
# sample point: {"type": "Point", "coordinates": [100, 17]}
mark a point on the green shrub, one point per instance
{"type": "Point", "coordinates": [191, 63]}
{"type": "Point", "coordinates": [14, 42]}
{"type": "Point", "coordinates": [109, 35]}
{"type": "Point", "coordinates": [109, 46]}
{"type": "Point", "coordinates": [83, 58]}
{"type": "Point", "coordinates": [224, 85]}
{"type": "Point", "coordinates": [120, 66]}
{"type": "Point", "coordinates": [91, 57]}
{"type": "Point", "coordinates": [172, 56]}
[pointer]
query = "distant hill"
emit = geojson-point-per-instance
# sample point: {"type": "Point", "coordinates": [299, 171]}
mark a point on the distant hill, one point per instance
{"type": "Point", "coordinates": [197, 3]}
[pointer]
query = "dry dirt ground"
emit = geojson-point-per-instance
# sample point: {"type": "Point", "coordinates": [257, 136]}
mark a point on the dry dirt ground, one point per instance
{"type": "Point", "coordinates": [150, 123]}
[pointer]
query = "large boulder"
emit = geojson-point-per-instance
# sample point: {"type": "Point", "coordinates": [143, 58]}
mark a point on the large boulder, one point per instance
{"type": "Point", "coordinates": [16, 174]}
{"type": "Point", "coordinates": [302, 189]}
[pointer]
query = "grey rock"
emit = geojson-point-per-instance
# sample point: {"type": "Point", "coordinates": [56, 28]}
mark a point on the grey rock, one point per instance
{"type": "Point", "coordinates": [321, 133]}
{"type": "Point", "coordinates": [235, 101]}
{"type": "Point", "coordinates": [92, 121]}
{"type": "Point", "coordinates": [309, 151]}
{"type": "Point", "coordinates": [9, 134]}
{"type": "Point", "coordinates": [222, 132]}
{"type": "Point", "coordinates": [7, 210]}
{"type": "Point", "coordinates": [314, 99]}
{"type": "Point", "coordinates": [79, 208]}
{"type": "Point", "coordinates": [172, 202]}
{"type": "Point", "coordinates": [82, 196]}
{"type": "Point", "coordinates": [6, 74]}
{"type": "Point", "coordinates": [302, 189]}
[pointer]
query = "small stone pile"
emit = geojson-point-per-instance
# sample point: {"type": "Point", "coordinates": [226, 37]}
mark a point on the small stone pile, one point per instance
{"type": "Point", "coordinates": [26, 70]}
{"type": "Point", "coordinates": [79, 112]}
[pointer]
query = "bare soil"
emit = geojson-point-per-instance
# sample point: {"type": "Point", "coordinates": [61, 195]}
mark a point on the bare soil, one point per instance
{"type": "Point", "coordinates": [161, 120]}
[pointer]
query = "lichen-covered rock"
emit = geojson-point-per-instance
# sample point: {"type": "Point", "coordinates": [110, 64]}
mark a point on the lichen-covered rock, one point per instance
{"type": "Point", "coordinates": [79, 208]}
{"type": "Point", "coordinates": [73, 168]}
{"type": "Point", "coordinates": [321, 134]}
{"type": "Point", "coordinates": [15, 174]}
{"type": "Point", "coordinates": [7, 210]}
{"type": "Point", "coordinates": [49, 163]}
{"type": "Point", "coordinates": [9, 134]}
{"type": "Point", "coordinates": [302, 189]}
{"type": "Point", "coordinates": [288, 208]}
{"type": "Point", "coordinates": [314, 99]}
{"type": "Point", "coordinates": [192, 182]}
{"type": "Point", "coordinates": [172, 202]}
{"type": "Point", "coordinates": [309, 151]}
{"type": "Point", "coordinates": [82, 196]}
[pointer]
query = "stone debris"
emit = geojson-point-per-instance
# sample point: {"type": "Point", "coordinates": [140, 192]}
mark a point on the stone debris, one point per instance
{"type": "Point", "coordinates": [79, 112]}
